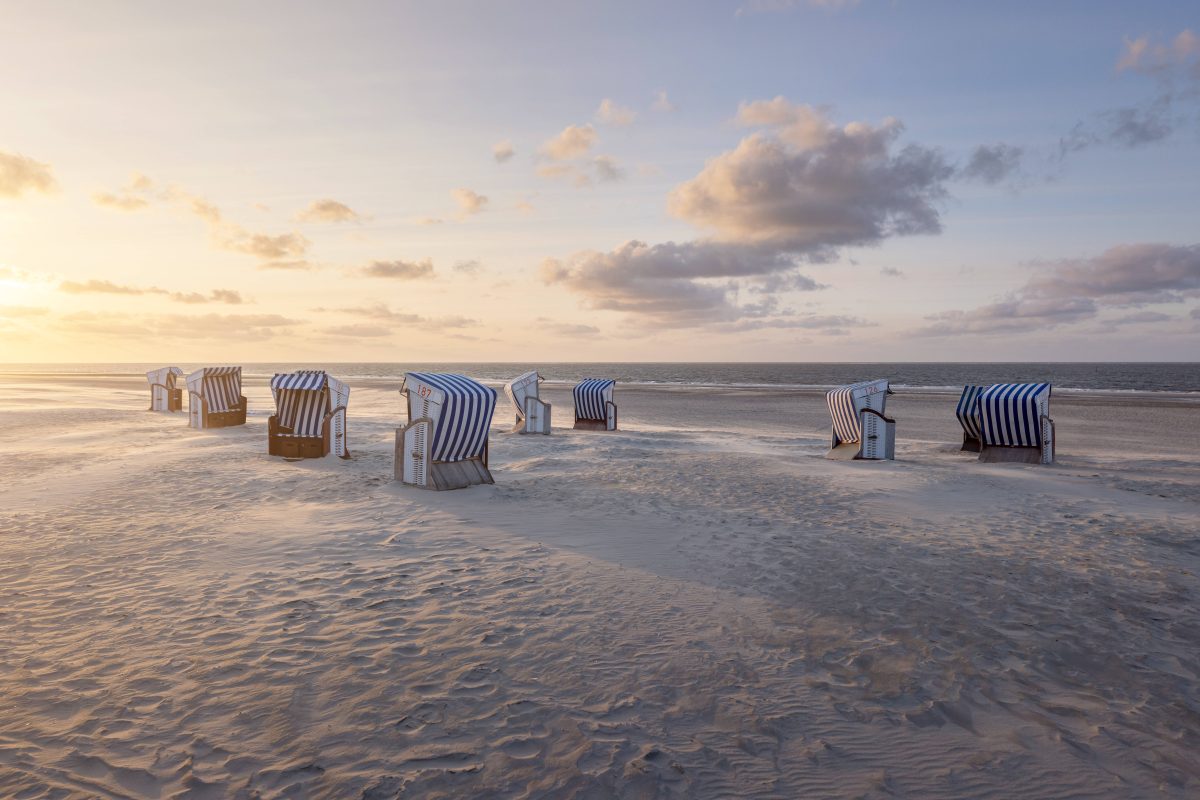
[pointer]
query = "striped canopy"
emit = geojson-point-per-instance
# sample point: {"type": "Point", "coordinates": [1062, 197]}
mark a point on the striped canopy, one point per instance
{"type": "Point", "coordinates": [591, 394]}
{"type": "Point", "coordinates": [1010, 414]}
{"type": "Point", "coordinates": [968, 410]}
{"type": "Point", "coordinates": [301, 400]}
{"type": "Point", "coordinates": [846, 426]}
{"type": "Point", "coordinates": [845, 403]}
{"type": "Point", "coordinates": [461, 430]}
{"type": "Point", "coordinates": [220, 386]}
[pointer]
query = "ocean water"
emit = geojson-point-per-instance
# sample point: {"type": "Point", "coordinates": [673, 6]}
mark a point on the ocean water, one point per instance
{"type": "Point", "coordinates": [1091, 377]}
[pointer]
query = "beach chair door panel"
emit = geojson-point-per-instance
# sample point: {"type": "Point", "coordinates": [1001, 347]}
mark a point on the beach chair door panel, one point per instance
{"type": "Point", "coordinates": [415, 453]}
{"type": "Point", "coordinates": [610, 411]}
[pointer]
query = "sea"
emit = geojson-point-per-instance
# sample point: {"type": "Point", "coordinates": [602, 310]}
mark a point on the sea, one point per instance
{"type": "Point", "coordinates": [1172, 377]}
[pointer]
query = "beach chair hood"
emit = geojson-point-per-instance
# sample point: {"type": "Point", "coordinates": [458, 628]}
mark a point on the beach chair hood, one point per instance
{"type": "Point", "coordinates": [460, 408]}
{"type": "Point", "coordinates": [1010, 414]}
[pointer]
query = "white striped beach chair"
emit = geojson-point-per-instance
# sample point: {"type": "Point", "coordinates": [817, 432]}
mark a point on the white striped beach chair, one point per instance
{"type": "Point", "coordinates": [215, 398]}
{"type": "Point", "coordinates": [594, 406]}
{"type": "Point", "coordinates": [860, 428]}
{"type": "Point", "coordinates": [310, 415]}
{"type": "Point", "coordinates": [533, 414]}
{"type": "Point", "coordinates": [445, 443]}
{"type": "Point", "coordinates": [967, 412]}
{"type": "Point", "coordinates": [163, 394]}
{"type": "Point", "coordinates": [1015, 424]}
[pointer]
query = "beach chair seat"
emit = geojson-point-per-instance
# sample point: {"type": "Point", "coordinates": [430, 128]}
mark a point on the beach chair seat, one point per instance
{"type": "Point", "coordinates": [445, 443]}
{"type": "Point", "coordinates": [215, 398]}
{"type": "Point", "coordinates": [1015, 423]}
{"type": "Point", "coordinates": [861, 430]}
{"type": "Point", "coordinates": [594, 406]}
{"type": "Point", "coordinates": [533, 414]}
{"type": "Point", "coordinates": [164, 396]}
{"type": "Point", "coordinates": [967, 412]}
{"type": "Point", "coordinates": [310, 415]}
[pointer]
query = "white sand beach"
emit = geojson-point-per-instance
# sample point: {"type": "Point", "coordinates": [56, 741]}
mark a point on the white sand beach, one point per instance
{"type": "Point", "coordinates": [696, 606]}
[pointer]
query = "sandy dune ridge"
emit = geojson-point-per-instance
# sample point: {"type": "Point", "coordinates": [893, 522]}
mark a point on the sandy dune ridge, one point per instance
{"type": "Point", "coordinates": [698, 605]}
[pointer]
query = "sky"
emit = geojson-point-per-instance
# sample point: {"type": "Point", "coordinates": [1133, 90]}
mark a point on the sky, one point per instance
{"type": "Point", "coordinates": [751, 180]}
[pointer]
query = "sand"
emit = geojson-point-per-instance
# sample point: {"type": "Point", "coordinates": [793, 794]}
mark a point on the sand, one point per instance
{"type": "Point", "coordinates": [696, 606]}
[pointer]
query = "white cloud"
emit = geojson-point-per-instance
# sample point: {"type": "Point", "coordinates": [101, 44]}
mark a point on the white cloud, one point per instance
{"type": "Point", "coordinates": [20, 174]}
{"type": "Point", "coordinates": [662, 102]}
{"type": "Point", "coordinates": [328, 211]}
{"type": "Point", "coordinates": [572, 142]}
{"type": "Point", "coordinates": [609, 113]}
{"type": "Point", "coordinates": [503, 151]}
{"type": "Point", "coordinates": [469, 202]}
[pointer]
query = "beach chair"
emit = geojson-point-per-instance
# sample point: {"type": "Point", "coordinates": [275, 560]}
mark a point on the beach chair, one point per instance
{"type": "Point", "coordinates": [860, 428]}
{"type": "Point", "coordinates": [215, 398]}
{"type": "Point", "coordinates": [310, 415]}
{"type": "Point", "coordinates": [1015, 424]}
{"type": "Point", "coordinates": [968, 416]}
{"type": "Point", "coordinates": [445, 443]}
{"type": "Point", "coordinates": [533, 414]}
{"type": "Point", "coordinates": [163, 394]}
{"type": "Point", "coordinates": [594, 406]}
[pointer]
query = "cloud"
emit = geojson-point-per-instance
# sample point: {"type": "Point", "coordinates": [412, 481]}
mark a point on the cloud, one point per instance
{"type": "Point", "coordinates": [228, 296]}
{"type": "Point", "coordinates": [426, 221]}
{"type": "Point", "coordinates": [359, 331]}
{"type": "Point", "coordinates": [662, 103]}
{"type": "Point", "coordinates": [607, 169]}
{"type": "Point", "coordinates": [470, 267]}
{"type": "Point", "coordinates": [891, 272]}
{"type": "Point", "coordinates": [1171, 64]}
{"type": "Point", "coordinates": [133, 196]}
{"type": "Point", "coordinates": [557, 328]}
{"type": "Point", "coordinates": [793, 194]}
{"type": "Point", "coordinates": [380, 313]}
{"type": "Point", "coordinates": [171, 326]}
{"type": "Point", "coordinates": [20, 174]}
{"type": "Point", "coordinates": [1138, 318]}
{"type": "Point", "coordinates": [469, 202]}
{"type": "Point", "coordinates": [503, 151]}
{"type": "Point", "coordinates": [1071, 290]}
{"type": "Point", "coordinates": [19, 312]}
{"type": "Point", "coordinates": [401, 270]}
{"type": "Point", "coordinates": [678, 284]}
{"type": "Point", "coordinates": [572, 142]}
{"type": "Point", "coordinates": [99, 287]}
{"type": "Point", "coordinates": [280, 247]}
{"type": "Point", "coordinates": [295, 265]}
{"type": "Point", "coordinates": [1143, 55]}
{"type": "Point", "coordinates": [609, 113]}
{"type": "Point", "coordinates": [328, 211]}
{"type": "Point", "coordinates": [991, 164]}
{"type": "Point", "coordinates": [811, 187]}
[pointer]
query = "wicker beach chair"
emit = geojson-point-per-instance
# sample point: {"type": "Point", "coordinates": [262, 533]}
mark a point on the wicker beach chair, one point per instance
{"type": "Point", "coordinates": [533, 414]}
{"type": "Point", "coordinates": [1015, 424]}
{"type": "Point", "coordinates": [163, 394]}
{"type": "Point", "coordinates": [445, 443]}
{"type": "Point", "coordinates": [310, 415]}
{"type": "Point", "coordinates": [594, 406]}
{"type": "Point", "coordinates": [860, 428]}
{"type": "Point", "coordinates": [215, 398]}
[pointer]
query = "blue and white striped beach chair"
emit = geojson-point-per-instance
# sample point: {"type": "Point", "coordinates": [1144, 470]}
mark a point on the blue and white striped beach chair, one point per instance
{"type": "Point", "coordinates": [860, 428]}
{"type": "Point", "coordinates": [445, 444]}
{"type": "Point", "coordinates": [215, 398]}
{"type": "Point", "coordinates": [533, 414]}
{"type": "Point", "coordinates": [594, 406]}
{"type": "Point", "coordinates": [163, 394]}
{"type": "Point", "coordinates": [1015, 424]}
{"type": "Point", "coordinates": [310, 415]}
{"type": "Point", "coordinates": [967, 412]}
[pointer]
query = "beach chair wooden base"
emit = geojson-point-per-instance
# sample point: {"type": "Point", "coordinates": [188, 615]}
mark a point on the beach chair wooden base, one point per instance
{"type": "Point", "coordinates": [225, 419]}
{"type": "Point", "coordinates": [412, 454]}
{"type": "Point", "coordinates": [970, 444]}
{"type": "Point", "coordinates": [844, 452]}
{"type": "Point", "coordinates": [993, 454]}
{"type": "Point", "coordinates": [174, 400]}
{"type": "Point", "coordinates": [282, 442]}
{"type": "Point", "coordinates": [592, 425]}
